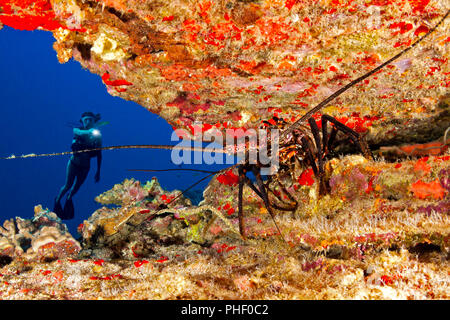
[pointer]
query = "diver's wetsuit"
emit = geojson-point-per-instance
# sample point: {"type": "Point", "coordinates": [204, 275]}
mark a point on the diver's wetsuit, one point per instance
{"type": "Point", "coordinates": [78, 167]}
{"type": "Point", "coordinates": [83, 140]}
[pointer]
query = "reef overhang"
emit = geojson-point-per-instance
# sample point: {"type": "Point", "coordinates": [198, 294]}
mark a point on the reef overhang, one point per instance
{"type": "Point", "coordinates": [234, 64]}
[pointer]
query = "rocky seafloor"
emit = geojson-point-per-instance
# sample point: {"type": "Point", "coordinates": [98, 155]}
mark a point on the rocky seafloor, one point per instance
{"type": "Point", "coordinates": [381, 233]}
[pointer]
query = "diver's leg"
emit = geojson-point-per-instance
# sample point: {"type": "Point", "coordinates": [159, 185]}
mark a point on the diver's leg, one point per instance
{"type": "Point", "coordinates": [81, 174]}
{"type": "Point", "coordinates": [70, 178]}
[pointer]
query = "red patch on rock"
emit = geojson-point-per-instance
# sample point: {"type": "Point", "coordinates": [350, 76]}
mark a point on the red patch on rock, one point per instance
{"type": "Point", "coordinates": [306, 178]}
{"type": "Point", "coordinates": [423, 190]}
{"type": "Point", "coordinates": [228, 178]}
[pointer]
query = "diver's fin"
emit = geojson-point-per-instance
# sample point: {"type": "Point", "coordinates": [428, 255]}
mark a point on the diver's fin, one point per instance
{"type": "Point", "coordinates": [68, 210]}
{"type": "Point", "coordinates": [58, 210]}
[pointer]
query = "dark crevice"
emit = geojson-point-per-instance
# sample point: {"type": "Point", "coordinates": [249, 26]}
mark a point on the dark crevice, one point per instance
{"type": "Point", "coordinates": [125, 17]}
{"type": "Point", "coordinates": [85, 50]}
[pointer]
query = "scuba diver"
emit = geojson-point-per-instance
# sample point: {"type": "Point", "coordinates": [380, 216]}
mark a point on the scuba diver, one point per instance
{"type": "Point", "coordinates": [85, 137]}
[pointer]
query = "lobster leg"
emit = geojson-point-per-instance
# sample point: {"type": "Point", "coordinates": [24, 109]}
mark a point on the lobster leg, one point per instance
{"type": "Point", "coordinates": [353, 135]}
{"type": "Point", "coordinates": [327, 140]}
{"type": "Point", "coordinates": [331, 138]}
{"type": "Point", "coordinates": [262, 189]}
{"type": "Point", "coordinates": [259, 182]}
{"type": "Point", "coordinates": [242, 176]}
{"type": "Point", "coordinates": [276, 206]}
{"type": "Point", "coordinates": [255, 189]}
{"type": "Point", "coordinates": [252, 186]}
{"type": "Point", "coordinates": [259, 189]}
{"type": "Point", "coordinates": [310, 154]}
{"type": "Point", "coordinates": [323, 188]}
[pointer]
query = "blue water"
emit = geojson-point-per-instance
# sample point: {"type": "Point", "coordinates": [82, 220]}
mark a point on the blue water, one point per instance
{"type": "Point", "coordinates": [39, 97]}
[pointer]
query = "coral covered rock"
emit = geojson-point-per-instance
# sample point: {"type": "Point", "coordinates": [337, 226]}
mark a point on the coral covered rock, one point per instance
{"type": "Point", "coordinates": [44, 237]}
{"type": "Point", "coordinates": [134, 200]}
{"type": "Point", "coordinates": [372, 237]}
{"type": "Point", "coordinates": [373, 201]}
{"type": "Point", "coordinates": [149, 221]}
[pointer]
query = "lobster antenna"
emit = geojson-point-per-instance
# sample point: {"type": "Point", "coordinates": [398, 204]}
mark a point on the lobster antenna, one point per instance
{"type": "Point", "coordinates": [352, 83]}
{"type": "Point", "coordinates": [138, 146]}
{"type": "Point", "coordinates": [202, 179]}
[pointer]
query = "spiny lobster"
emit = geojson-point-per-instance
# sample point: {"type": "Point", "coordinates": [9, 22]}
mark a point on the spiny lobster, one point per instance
{"type": "Point", "coordinates": [297, 143]}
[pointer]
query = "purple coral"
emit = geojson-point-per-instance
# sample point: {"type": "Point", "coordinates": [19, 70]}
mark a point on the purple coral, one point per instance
{"type": "Point", "coordinates": [359, 180]}
{"type": "Point", "coordinates": [441, 207]}
{"type": "Point", "coordinates": [335, 182]}
{"type": "Point", "coordinates": [136, 192]}
{"type": "Point", "coordinates": [444, 178]}
{"type": "Point", "coordinates": [354, 183]}
{"type": "Point", "coordinates": [307, 266]}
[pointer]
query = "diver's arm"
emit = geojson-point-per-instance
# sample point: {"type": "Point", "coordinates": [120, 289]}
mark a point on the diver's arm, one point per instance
{"type": "Point", "coordinates": [87, 133]}
{"type": "Point", "coordinates": [82, 132]}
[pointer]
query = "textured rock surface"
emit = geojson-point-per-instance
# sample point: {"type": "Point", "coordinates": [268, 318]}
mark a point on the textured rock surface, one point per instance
{"type": "Point", "coordinates": [382, 233]}
{"type": "Point", "coordinates": [148, 221]}
{"type": "Point", "coordinates": [44, 237]}
{"type": "Point", "coordinates": [232, 64]}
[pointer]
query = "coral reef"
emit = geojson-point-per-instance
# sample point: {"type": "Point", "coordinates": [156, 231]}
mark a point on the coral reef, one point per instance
{"type": "Point", "coordinates": [41, 238]}
{"type": "Point", "coordinates": [234, 64]}
{"type": "Point", "coordinates": [149, 222]}
{"type": "Point", "coordinates": [382, 232]}
{"type": "Point", "coordinates": [377, 235]}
